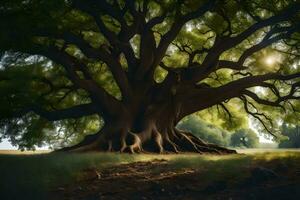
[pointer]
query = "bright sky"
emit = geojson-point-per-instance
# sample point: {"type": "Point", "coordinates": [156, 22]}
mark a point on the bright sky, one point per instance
{"type": "Point", "coordinates": [262, 139]}
{"type": "Point", "coordinates": [5, 145]}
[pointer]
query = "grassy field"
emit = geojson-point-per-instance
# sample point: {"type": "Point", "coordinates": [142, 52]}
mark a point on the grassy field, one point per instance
{"type": "Point", "coordinates": [18, 152]}
{"type": "Point", "coordinates": [32, 176]}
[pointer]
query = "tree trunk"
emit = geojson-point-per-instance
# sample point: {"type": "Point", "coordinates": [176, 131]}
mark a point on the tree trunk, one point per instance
{"type": "Point", "coordinates": [151, 131]}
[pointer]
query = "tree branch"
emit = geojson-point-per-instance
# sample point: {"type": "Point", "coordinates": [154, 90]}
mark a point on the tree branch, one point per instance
{"type": "Point", "coordinates": [67, 113]}
{"type": "Point", "coordinates": [257, 116]}
{"type": "Point", "coordinates": [176, 27]}
{"type": "Point", "coordinates": [205, 97]}
{"type": "Point", "coordinates": [119, 42]}
{"type": "Point", "coordinates": [211, 62]}
{"type": "Point", "coordinates": [102, 54]}
{"type": "Point", "coordinates": [107, 102]}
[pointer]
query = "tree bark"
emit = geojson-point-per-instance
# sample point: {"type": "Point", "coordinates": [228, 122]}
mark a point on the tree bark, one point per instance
{"type": "Point", "coordinates": [146, 117]}
{"type": "Point", "coordinates": [152, 130]}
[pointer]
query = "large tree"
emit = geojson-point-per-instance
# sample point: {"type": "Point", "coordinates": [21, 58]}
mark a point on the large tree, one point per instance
{"type": "Point", "coordinates": [141, 66]}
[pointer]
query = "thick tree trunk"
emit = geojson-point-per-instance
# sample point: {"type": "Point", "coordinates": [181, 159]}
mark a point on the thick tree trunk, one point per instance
{"type": "Point", "coordinates": [153, 131]}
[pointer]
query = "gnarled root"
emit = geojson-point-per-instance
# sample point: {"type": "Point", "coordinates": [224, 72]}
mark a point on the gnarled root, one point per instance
{"type": "Point", "coordinates": [158, 140]}
{"type": "Point", "coordinates": [189, 140]}
{"type": "Point", "coordinates": [150, 140]}
{"type": "Point", "coordinates": [136, 147]}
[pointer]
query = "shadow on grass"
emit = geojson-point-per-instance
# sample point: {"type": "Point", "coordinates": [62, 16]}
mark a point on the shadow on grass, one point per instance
{"type": "Point", "coordinates": [32, 176]}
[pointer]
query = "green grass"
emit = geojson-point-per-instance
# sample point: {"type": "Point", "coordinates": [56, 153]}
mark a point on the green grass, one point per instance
{"type": "Point", "coordinates": [39, 172]}
{"type": "Point", "coordinates": [31, 175]}
{"type": "Point", "coordinates": [235, 167]}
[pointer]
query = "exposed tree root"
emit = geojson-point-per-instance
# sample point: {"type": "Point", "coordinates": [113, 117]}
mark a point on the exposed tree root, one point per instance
{"type": "Point", "coordinates": [136, 147]}
{"type": "Point", "coordinates": [203, 147]}
{"type": "Point", "coordinates": [149, 141]}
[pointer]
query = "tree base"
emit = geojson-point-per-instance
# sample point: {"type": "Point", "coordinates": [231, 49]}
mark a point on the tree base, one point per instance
{"type": "Point", "coordinates": [181, 142]}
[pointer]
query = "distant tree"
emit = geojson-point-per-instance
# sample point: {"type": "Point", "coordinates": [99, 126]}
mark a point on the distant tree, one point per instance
{"type": "Point", "coordinates": [118, 75]}
{"type": "Point", "coordinates": [292, 139]}
{"type": "Point", "coordinates": [207, 132]}
{"type": "Point", "coordinates": [244, 138]}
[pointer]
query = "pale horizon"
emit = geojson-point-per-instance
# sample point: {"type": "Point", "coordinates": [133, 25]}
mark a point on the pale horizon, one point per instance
{"type": "Point", "coordinates": [6, 145]}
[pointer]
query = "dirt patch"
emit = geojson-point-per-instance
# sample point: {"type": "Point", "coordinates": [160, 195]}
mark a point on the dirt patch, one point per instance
{"type": "Point", "coordinates": [160, 180]}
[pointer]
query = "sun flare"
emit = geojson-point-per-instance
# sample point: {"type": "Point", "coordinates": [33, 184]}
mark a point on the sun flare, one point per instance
{"type": "Point", "coordinates": [270, 60]}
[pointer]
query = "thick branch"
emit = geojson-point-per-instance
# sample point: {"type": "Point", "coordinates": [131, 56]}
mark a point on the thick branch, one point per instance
{"type": "Point", "coordinates": [206, 97]}
{"type": "Point", "coordinates": [107, 102]}
{"type": "Point", "coordinates": [176, 27]}
{"type": "Point", "coordinates": [211, 61]}
{"type": "Point", "coordinates": [285, 15]}
{"type": "Point", "coordinates": [102, 54]}
{"type": "Point", "coordinates": [73, 112]}
{"type": "Point", "coordinates": [120, 42]}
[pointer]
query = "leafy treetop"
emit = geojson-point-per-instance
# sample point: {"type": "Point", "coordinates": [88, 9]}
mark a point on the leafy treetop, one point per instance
{"type": "Point", "coordinates": [67, 65]}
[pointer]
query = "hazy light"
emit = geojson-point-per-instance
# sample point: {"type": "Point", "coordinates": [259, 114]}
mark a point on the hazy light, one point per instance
{"type": "Point", "coordinates": [260, 90]}
{"type": "Point", "coordinates": [189, 27]}
{"type": "Point", "coordinates": [270, 60]}
{"type": "Point", "coordinates": [262, 138]}
{"type": "Point", "coordinates": [295, 66]}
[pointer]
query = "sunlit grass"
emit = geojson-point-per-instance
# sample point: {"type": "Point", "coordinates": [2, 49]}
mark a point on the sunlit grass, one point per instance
{"type": "Point", "coordinates": [39, 172]}
{"type": "Point", "coordinates": [16, 152]}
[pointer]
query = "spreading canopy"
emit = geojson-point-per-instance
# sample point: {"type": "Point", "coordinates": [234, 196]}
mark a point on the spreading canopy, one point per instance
{"type": "Point", "coordinates": [69, 64]}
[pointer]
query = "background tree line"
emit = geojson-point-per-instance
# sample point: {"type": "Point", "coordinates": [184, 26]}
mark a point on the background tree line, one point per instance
{"type": "Point", "coordinates": [244, 138]}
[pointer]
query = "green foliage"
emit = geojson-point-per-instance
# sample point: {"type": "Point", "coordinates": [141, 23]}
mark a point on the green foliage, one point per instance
{"type": "Point", "coordinates": [218, 116]}
{"type": "Point", "coordinates": [24, 79]}
{"type": "Point", "coordinates": [208, 132]}
{"type": "Point", "coordinates": [292, 136]}
{"type": "Point", "coordinates": [244, 138]}
{"type": "Point", "coordinates": [26, 83]}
